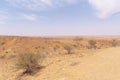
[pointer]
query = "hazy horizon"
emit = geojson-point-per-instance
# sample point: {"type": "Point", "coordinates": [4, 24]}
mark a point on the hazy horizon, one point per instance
{"type": "Point", "coordinates": [59, 17]}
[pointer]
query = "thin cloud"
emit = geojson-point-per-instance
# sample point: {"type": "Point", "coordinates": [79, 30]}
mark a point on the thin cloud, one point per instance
{"type": "Point", "coordinates": [39, 4]}
{"type": "Point", "coordinates": [29, 17]}
{"type": "Point", "coordinates": [105, 8]}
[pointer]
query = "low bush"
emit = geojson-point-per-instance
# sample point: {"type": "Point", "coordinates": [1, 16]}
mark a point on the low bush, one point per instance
{"type": "Point", "coordinates": [92, 44]}
{"type": "Point", "coordinates": [114, 43]}
{"type": "Point", "coordinates": [29, 62]}
{"type": "Point", "coordinates": [68, 48]}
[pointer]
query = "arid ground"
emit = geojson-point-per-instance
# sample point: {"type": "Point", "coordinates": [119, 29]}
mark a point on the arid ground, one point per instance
{"type": "Point", "coordinates": [90, 58]}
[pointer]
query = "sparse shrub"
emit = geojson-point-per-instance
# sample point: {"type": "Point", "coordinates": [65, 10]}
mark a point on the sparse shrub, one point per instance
{"type": "Point", "coordinates": [12, 56]}
{"type": "Point", "coordinates": [92, 44]}
{"type": "Point", "coordinates": [29, 62]}
{"type": "Point", "coordinates": [114, 43]}
{"type": "Point", "coordinates": [2, 56]}
{"type": "Point", "coordinates": [68, 48]}
{"type": "Point", "coordinates": [2, 43]}
{"type": "Point", "coordinates": [56, 47]}
{"type": "Point", "coordinates": [78, 39]}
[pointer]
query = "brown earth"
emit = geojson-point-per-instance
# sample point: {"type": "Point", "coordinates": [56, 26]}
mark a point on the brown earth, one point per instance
{"type": "Point", "coordinates": [16, 45]}
{"type": "Point", "coordinates": [84, 64]}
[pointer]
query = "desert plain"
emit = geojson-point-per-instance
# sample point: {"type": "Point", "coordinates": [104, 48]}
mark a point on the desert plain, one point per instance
{"type": "Point", "coordinates": [90, 57]}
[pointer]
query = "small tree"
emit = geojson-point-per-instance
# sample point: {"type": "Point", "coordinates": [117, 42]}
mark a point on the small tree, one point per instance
{"type": "Point", "coordinates": [68, 48]}
{"type": "Point", "coordinates": [29, 62]}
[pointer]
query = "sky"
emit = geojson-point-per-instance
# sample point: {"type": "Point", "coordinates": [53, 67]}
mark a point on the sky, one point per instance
{"type": "Point", "coordinates": [59, 17]}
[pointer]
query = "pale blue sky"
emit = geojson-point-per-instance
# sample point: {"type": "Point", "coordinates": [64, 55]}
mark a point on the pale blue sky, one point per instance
{"type": "Point", "coordinates": [59, 17]}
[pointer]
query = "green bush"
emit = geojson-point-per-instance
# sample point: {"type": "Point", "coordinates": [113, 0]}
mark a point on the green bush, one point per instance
{"type": "Point", "coordinates": [29, 62]}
